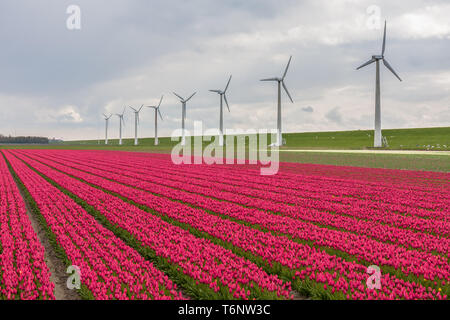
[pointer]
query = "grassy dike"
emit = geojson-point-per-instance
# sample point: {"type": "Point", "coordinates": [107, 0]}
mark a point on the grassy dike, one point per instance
{"type": "Point", "coordinates": [398, 139]}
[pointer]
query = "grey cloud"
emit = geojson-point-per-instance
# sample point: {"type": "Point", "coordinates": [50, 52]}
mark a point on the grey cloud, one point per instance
{"type": "Point", "coordinates": [131, 52]}
{"type": "Point", "coordinates": [334, 115]}
{"type": "Point", "coordinates": [308, 109]}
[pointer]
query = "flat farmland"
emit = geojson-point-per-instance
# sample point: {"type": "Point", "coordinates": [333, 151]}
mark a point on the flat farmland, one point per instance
{"type": "Point", "coordinates": [140, 227]}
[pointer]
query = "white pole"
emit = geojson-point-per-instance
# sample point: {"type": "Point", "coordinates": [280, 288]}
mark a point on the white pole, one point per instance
{"type": "Point", "coordinates": [280, 134]}
{"type": "Point", "coordinates": [183, 139]}
{"type": "Point", "coordinates": [156, 127]}
{"type": "Point", "coordinates": [221, 121]}
{"type": "Point", "coordinates": [120, 135]}
{"type": "Point", "coordinates": [378, 142]}
{"type": "Point", "coordinates": [106, 131]}
{"type": "Point", "coordinates": [136, 128]}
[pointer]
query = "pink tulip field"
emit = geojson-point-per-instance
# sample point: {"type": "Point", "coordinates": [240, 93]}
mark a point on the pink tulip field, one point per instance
{"type": "Point", "coordinates": [140, 227]}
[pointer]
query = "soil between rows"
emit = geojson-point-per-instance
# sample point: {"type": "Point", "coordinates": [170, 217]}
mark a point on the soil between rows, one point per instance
{"type": "Point", "coordinates": [56, 266]}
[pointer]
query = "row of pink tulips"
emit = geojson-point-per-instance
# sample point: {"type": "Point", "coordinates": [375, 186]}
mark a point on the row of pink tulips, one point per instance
{"type": "Point", "coordinates": [391, 198]}
{"type": "Point", "coordinates": [415, 179]}
{"type": "Point", "coordinates": [348, 218]}
{"type": "Point", "coordinates": [414, 262]}
{"type": "Point", "coordinates": [323, 195]}
{"type": "Point", "coordinates": [198, 258]}
{"type": "Point", "coordinates": [23, 272]}
{"type": "Point", "coordinates": [109, 268]}
{"type": "Point", "coordinates": [257, 242]}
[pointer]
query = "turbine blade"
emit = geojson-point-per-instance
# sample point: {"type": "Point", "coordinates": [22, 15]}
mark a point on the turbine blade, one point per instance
{"type": "Point", "coordinates": [287, 68]}
{"type": "Point", "coordinates": [159, 112]}
{"type": "Point", "coordinates": [226, 102]}
{"type": "Point", "coordinates": [384, 39]}
{"type": "Point", "coordinates": [270, 79]}
{"type": "Point", "coordinates": [160, 101]}
{"type": "Point", "coordinates": [141, 108]}
{"type": "Point", "coordinates": [191, 96]}
{"type": "Point", "coordinates": [391, 69]}
{"type": "Point", "coordinates": [182, 99]}
{"type": "Point", "coordinates": [133, 109]}
{"type": "Point", "coordinates": [228, 84]}
{"type": "Point", "coordinates": [367, 63]}
{"type": "Point", "coordinates": [287, 91]}
{"type": "Point", "coordinates": [216, 91]}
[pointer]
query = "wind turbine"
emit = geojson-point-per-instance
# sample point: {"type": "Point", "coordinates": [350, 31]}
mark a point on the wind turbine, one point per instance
{"type": "Point", "coordinates": [378, 136]}
{"type": "Point", "coordinates": [136, 124]}
{"type": "Point", "coordinates": [157, 111]}
{"type": "Point", "coordinates": [106, 126]}
{"type": "Point", "coordinates": [281, 82]}
{"type": "Point", "coordinates": [121, 121]}
{"type": "Point", "coordinates": [223, 96]}
{"type": "Point", "coordinates": [183, 115]}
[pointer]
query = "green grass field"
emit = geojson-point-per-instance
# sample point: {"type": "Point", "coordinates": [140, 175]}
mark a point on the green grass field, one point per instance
{"type": "Point", "coordinates": [398, 139]}
{"type": "Point", "coordinates": [435, 139]}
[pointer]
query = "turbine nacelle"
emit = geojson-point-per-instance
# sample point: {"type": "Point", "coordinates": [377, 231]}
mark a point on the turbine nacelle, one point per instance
{"type": "Point", "coordinates": [224, 93]}
{"type": "Point", "coordinates": [137, 110]}
{"type": "Point", "coordinates": [378, 57]}
{"type": "Point", "coordinates": [157, 108]}
{"type": "Point", "coordinates": [281, 80]}
{"type": "Point", "coordinates": [183, 100]}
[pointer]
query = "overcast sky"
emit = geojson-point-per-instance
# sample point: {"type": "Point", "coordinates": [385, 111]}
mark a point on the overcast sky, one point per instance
{"type": "Point", "coordinates": [57, 82]}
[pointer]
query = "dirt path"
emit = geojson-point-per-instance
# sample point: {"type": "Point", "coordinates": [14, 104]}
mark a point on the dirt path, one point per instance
{"type": "Point", "coordinates": [56, 266]}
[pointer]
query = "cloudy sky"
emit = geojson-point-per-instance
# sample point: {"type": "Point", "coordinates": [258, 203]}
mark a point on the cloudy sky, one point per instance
{"type": "Point", "coordinates": [57, 82]}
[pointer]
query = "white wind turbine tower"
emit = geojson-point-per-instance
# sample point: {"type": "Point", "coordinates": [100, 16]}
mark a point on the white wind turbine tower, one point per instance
{"type": "Point", "coordinates": [136, 124]}
{"type": "Point", "coordinates": [121, 121]}
{"type": "Point", "coordinates": [280, 81]}
{"type": "Point", "coordinates": [183, 115]}
{"type": "Point", "coordinates": [378, 136]}
{"type": "Point", "coordinates": [106, 126]}
{"type": "Point", "coordinates": [157, 111]}
{"type": "Point", "coordinates": [223, 96]}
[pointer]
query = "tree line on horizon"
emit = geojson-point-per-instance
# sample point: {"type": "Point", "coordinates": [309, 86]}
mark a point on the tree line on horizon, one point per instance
{"type": "Point", "coordinates": [23, 140]}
